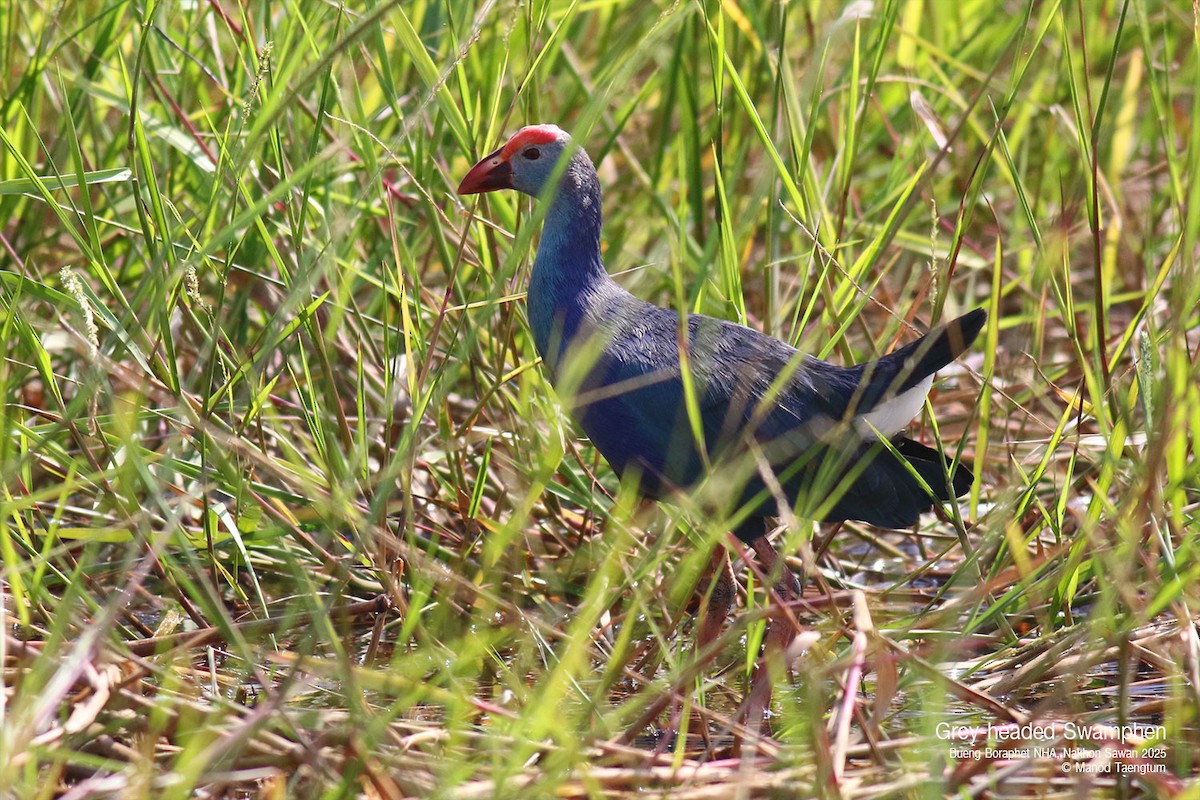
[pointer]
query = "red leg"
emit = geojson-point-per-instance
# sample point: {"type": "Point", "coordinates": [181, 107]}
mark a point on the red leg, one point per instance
{"type": "Point", "coordinates": [780, 632]}
{"type": "Point", "coordinates": [715, 605]}
{"type": "Point", "coordinates": [717, 599]}
{"type": "Point", "coordinates": [717, 592]}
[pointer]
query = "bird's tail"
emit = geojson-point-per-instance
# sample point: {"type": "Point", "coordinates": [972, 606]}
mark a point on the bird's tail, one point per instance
{"type": "Point", "coordinates": [886, 494]}
{"type": "Point", "coordinates": [917, 360]}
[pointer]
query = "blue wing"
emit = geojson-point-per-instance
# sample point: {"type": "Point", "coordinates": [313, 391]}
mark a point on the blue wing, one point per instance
{"type": "Point", "coordinates": [629, 398]}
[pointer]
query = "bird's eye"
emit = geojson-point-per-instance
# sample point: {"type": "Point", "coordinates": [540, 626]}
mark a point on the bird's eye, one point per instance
{"type": "Point", "coordinates": [532, 153]}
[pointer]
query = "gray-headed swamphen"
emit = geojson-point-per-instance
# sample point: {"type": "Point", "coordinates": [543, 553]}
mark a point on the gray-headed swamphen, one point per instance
{"type": "Point", "coordinates": [780, 426]}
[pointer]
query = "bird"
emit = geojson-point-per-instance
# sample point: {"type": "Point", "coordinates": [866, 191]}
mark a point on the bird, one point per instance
{"type": "Point", "coordinates": [673, 401]}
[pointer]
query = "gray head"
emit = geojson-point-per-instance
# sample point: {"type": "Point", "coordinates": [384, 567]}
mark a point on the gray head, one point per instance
{"type": "Point", "coordinates": [525, 162]}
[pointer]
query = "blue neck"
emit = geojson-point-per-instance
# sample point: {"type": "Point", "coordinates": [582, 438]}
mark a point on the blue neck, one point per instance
{"type": "Point", "coordinates": [567, 272]}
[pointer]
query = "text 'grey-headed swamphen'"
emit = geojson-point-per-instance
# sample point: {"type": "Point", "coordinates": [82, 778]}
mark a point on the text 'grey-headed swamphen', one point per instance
{"type": "Point", "coordinates": [781, 426]}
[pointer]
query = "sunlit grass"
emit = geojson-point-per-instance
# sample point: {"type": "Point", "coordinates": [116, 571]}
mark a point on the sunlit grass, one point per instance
{"type": "Point", "coordinates": [290, 509]}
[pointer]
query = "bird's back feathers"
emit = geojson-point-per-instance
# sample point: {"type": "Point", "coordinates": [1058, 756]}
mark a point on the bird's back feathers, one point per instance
{"type": "Point", "coordinates": [756, 397]}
